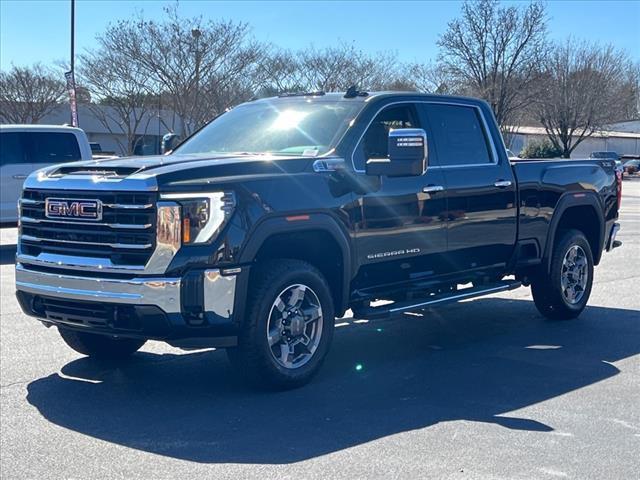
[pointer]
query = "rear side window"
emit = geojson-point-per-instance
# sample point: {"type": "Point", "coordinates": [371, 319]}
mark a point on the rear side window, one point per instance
{"type": "Point", "coordinates": [458, 134]}
{"type": "Point", "coordinates": [11, 151]}
{"type": "Point", "coordinates": [49, 147]}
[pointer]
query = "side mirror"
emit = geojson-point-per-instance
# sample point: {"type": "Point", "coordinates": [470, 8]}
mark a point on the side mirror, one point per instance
{"type": "Point", "coordinates": [169, 142]}
{"type": "Point", "coordinates": [408, 154]}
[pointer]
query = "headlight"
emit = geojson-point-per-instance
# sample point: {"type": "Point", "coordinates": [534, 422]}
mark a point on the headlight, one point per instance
{"type": "Point", "coordinates": [202, 214]}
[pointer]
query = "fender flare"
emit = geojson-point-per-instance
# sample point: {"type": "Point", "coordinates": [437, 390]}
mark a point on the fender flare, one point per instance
{"type": "Point", "coordinates": [271, 226]}
{"type": "Point", "coordinates": [566, 201]}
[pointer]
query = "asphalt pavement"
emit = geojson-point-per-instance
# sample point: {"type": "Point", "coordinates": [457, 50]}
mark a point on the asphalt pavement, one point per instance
{"type": "Point", "coordinates": [482, 389]}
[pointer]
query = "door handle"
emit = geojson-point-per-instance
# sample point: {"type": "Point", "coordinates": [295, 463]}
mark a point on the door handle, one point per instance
{"type": "Point", "coordinates": [503, 183]}
{"type": "Point", "coordinates": [19, 177]}
{"type": "Point", "coordinates": [432, 188]}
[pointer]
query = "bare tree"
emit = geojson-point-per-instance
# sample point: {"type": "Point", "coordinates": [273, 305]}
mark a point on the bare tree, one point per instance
{"type": "Point", "coordinates": [584, 90]}
{"type": "Point", "coordinates": [200, 66]}
{"type": "Point", "coordinates": [123, 93]}
{"type": "Point", "coordinates": [630, 89]}
{"type": "Point", "coordinates": [337, 68]}
{"type": "Point", "coordinates": [495, 52]}
{"type": "Point", "coordinates": [279, 72]}
{"type": "Point", "coordinates": [431, 78]}
{"type": "Point", "coordinates": [27, 94]}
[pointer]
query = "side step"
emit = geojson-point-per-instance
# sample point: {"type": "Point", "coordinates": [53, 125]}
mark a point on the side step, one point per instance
{"type": "Point", "coordinates": [385, 311]}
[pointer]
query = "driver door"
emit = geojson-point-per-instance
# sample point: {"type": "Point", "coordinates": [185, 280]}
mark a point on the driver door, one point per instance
{"type": "Point", "coordinates": [401, 227]}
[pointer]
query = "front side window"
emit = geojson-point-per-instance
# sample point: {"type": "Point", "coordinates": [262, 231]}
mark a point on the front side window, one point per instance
{"type": "Point", "coordinates": [375, 141]}
{"type": "Point", "coordinates": [50, 147]}
{"type": "Point", "coordinates": [458, 135]}
{"type": "Point", "coordinates": [278, 127]}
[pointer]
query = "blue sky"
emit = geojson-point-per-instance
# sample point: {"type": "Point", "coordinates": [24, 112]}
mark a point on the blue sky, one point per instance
{"type": "Point", "coordinates": [38, 30]}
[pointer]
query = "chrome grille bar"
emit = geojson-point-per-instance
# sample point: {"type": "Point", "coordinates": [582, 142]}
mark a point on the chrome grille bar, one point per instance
{"type": "Point", "coordinates": [131, 226]}
{"type": "Point", "coordinates": [129, 246]}
{"type": "Point", "coordinates": [125, 206]}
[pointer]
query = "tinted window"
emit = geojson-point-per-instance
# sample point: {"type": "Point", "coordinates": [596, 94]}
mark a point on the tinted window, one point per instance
{"type": "Point", "coordinates": [458, 135]}
{"type": "Point", "coordinates": [375, 142]}
{"type": "Point", "coordinates": [11, 150]}
{"type": "Point", "coordinates": [47, 147]}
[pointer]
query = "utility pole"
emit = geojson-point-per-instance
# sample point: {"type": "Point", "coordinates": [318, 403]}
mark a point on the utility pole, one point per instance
{"type": "Point", "coordinates": [70, 75]}
{"type": "Point", "coordinates": [196, 33]}
{"type": "Point", "coordinates": [73, 35]}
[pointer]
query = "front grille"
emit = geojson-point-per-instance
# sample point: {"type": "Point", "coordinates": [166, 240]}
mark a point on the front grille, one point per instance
{"type": "Point", "coordinates": [125, 234]}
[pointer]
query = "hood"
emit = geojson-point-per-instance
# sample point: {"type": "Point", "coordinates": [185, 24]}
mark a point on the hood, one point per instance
{"type": "Point", "coordinates": [156, 171]}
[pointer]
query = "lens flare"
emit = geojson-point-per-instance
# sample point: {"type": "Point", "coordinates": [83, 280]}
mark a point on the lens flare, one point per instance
{"type": "Point", "coordinates": [287, 120]}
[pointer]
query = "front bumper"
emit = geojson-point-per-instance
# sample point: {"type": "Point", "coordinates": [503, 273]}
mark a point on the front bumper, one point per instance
{"type": "Point", "coordinates": [183, 311]}
{"type": "Point", "coordinates": [161, 292]}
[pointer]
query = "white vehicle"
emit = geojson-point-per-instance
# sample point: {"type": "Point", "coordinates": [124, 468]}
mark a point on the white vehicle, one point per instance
{"type": "Point", "coordinates": [25, 148]}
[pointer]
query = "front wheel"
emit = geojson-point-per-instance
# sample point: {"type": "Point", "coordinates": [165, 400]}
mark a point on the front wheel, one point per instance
{"type": "Point", "coordinates": [564, 291]}
{"type": "Point", "coordinates": [288, 327]}
{"type": "Point", "coordinates": [100, 347]}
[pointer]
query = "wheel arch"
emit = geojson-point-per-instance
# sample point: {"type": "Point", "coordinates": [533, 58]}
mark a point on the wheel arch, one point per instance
{"type": "Point", "coordinates": [583, 212]}
{"type": "Point", "coordinates": [315, 238]}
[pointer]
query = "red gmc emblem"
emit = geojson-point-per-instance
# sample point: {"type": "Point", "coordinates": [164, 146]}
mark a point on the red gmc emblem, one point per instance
{"type": "Point", "coordinates": [73, 208]}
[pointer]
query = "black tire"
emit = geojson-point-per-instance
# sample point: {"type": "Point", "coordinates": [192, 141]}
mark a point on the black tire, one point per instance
{"type": "Point", "coordinates": [100, 347]}
{"type": "Point", "coordinates": [547, 289]}
{"type": "Point", "coordinates": [253, 356]}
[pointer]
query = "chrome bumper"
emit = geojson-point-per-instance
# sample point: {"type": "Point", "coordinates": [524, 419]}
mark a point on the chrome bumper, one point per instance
{"type": "Point", "coordinates": [161, 292]}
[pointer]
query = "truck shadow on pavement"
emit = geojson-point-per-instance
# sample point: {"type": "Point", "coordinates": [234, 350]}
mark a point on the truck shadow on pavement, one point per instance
{"type": "Point", "coordinates": [474, 362]}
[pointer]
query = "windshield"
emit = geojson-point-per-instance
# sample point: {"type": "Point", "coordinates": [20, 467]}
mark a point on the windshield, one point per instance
{"type": "Point", "coordinates": [278, 127]}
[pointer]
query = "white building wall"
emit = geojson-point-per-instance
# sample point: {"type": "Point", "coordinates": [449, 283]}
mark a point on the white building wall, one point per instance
{"type": "Point", "coordinates": [622, 146]}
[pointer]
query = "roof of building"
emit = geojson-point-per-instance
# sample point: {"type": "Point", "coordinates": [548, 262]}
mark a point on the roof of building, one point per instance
{"type": "Point", "coordinates": [600, 134]}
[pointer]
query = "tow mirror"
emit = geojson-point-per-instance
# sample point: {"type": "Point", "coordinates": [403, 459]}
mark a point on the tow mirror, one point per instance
{"type": "Point", "coordinates": [408, 154]}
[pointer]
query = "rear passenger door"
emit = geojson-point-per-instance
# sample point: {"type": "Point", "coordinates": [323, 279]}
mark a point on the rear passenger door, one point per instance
{"type": "Point", "coordinates": [14, 168]}
{"type": "Point", "coordinates": [480, 188]}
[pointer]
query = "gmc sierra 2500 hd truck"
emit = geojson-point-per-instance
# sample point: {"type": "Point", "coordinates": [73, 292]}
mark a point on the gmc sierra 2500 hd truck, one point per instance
{"type": "Point", "coordinates": [281, 214]}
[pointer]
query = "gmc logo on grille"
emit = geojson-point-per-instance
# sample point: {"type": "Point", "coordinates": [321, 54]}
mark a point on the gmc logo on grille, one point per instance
{"type": "Point", "coordinates": [73, 208]}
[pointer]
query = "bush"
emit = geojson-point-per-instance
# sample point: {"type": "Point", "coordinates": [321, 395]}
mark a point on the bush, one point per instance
{"type": "Point", "coordinates": [540, 149]}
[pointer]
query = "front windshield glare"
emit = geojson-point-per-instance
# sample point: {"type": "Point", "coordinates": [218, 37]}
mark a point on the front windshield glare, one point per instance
{"type": "Point", "coordinates": [279, 127]}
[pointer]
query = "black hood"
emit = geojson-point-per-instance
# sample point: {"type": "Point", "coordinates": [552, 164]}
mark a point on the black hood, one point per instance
{"type": "Point", "coordinates": [176, 168]}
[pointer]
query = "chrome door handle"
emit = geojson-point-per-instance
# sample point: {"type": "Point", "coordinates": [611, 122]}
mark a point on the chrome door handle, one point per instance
{"type": "Point", "coordinates": [503, 183]}
{"type": "Point", "coordinates": [19, 177]}
{"type": "Point", "coordinates": [432, 188]}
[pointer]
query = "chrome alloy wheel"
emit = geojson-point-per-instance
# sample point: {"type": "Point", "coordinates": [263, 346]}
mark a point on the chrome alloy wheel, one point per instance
{"type": "Point", "coordinates": [574, 274]}
{"type": "Point", "coordinates": [295, 326]}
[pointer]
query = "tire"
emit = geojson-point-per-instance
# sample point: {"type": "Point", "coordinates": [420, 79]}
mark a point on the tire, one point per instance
{"type": "Point", "coordinates": [551, 298]}
{"type": "Point", "coordinates": [268, 360]}
{"type": "Point", "coordinates": [100, 347]}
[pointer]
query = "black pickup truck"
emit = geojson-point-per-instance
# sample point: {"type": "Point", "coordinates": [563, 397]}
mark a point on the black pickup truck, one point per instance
{"type": "Point", "coordinates": [278, 216]}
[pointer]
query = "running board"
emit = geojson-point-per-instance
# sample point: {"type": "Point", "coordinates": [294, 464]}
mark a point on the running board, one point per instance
{"type": "Point", "coordinates": [385, 311]}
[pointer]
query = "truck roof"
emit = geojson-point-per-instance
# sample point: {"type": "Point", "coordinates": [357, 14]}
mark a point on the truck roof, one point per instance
{"type": "Point", "coordinates": [39, 128]}
{"type": "Point", "coordinates": [364, 96]}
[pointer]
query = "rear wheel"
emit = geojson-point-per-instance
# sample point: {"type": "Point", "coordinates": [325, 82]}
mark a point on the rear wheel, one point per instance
{"type": "Point", "coordinates": [100, 346]}
{"type": "Point", "coordinates": [288, 327]}
{"type": "Point", "coordinates": [564, 291]}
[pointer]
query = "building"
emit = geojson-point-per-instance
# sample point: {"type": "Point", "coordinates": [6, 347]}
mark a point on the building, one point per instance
{"type": "Point", "coordinates": [623, 138]}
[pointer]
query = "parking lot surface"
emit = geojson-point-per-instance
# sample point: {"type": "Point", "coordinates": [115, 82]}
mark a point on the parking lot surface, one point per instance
{"type": "Point", "coordinates": [482, 389]}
